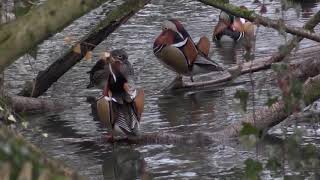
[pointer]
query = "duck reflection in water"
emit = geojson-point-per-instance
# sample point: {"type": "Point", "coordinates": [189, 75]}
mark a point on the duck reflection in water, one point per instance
{"type": "Point", "coordinates": [124, 163]}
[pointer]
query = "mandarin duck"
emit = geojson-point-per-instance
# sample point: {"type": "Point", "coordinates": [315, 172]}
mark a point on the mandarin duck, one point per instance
{"type": "Point", "coordinates": [236, 28]}
{"type": "Point", "coordinates": [179, 53]}
{"type": "Point", "coordinates": [121, 106]}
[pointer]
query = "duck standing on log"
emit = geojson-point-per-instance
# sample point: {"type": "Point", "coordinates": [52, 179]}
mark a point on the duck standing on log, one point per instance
{"type": "Point", "coordinates": [121, 106]}
{"type": "Point", "coordinates": [178, 52]}
{"type": "Point", "coordinates": [236, 28]}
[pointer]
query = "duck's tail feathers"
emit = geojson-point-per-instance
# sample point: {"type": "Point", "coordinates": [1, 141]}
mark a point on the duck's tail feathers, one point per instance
{"type": "Point", "coordinates": [207, 63]}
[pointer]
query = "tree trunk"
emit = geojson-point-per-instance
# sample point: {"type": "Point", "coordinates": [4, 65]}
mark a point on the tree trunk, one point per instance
{"type": "Point", "coordinates": [260, 64]}
{"type": "Point", "coordinates": [21, 35]}
{"type": "Point", "coordinates": [113, 20]}
{"type": "Point", "coordinates": [253, 17]}
{"type": "Point", "coordinates": [20, 158]}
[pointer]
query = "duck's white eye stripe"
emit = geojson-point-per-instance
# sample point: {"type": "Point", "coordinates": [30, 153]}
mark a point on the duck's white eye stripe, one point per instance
{"type": "Point", "coordinates": [180, 44]}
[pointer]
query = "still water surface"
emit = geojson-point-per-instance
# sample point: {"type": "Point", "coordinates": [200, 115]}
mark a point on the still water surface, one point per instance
{"type": "Point", "coordinates": [74, 135]}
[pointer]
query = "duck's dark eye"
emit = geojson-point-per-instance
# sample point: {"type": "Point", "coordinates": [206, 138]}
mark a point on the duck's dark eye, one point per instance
{"type": "Point", "coordinates": [119, 57]}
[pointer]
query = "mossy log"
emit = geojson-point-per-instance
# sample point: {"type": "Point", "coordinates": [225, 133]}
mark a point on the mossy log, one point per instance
{"type": "Point", "coordinates": [24, 33]}
{"type": "Point", "coordinates": [267, 117]}
{"type": "Point", "coordinates": [261, 63]}
{"type": "Point", "coordinates": [253, 17]}
{"type": "Point", "coordinates": [22, 160]}
{"type": "Point", "coordinates": [100, 32]}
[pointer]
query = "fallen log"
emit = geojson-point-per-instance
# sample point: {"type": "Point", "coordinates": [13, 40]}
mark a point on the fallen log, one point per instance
{"type": "Point", "coordinates": [268, 117]}
{"type": "Point", "coordinates": [253, 17]}
{"type": "Point", "coordinates": [22, 160]}
{"type": "Point", "coordinates": [100, 32]}
{"type": "Point", "coordinates": [24, 33]}
{"type": "Point", "coordinates": [30, 105]}
{"type": "Point", "coordinates": [257, 64]}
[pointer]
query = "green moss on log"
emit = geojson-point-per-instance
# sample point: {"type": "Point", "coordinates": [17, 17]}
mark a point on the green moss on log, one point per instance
{"type": "Point", "coordinates": [39, 24]}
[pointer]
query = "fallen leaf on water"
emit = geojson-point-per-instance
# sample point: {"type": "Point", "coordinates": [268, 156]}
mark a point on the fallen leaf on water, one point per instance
{"type": "Point", "coordinates": [45, 135]}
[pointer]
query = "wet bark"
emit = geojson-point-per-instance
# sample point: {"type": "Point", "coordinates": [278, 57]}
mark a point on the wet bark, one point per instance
{"type": "Point", "coordinates": [113, 20]}
{"type": "Point", "coordinates": [261, 63]}
{"type": "Point", "coordinates": [253, 17]}
{"type": "Point", "coordinates": [21, 35]}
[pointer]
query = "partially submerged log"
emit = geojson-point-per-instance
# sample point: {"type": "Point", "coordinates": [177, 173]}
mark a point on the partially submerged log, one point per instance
{"type": "Point", "coordinates": [22, 159]}
{"type": "Point", "coordinates": [253, 17]}
{"type": "Point", "coordinates": [100, 32]}
{"type": "Point", "coordinates": [30, 105]}
{"type": "Point", "coordinates": [258, 64]}
{"type": "Point", "coordinates": [21, 35]}
{"type": "Point", "coordinates": [268, 117]}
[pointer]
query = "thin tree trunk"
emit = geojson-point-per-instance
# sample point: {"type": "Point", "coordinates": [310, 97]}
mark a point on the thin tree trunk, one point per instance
{"type": "Point", "coordinates": [21, 35]}
{"type": "Point", "coordinates": [253, 17]}
{"type": "Point", "coordinates": [113, 20]}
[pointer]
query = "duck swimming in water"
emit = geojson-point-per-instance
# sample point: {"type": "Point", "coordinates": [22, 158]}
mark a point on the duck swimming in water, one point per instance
{"type": "Point", "coordinates": [178, 52]}
{"type": "Point", "coordinates": [121, 106]}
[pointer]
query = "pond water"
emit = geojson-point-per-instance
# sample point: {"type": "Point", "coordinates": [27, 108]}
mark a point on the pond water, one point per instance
{"type": "Point", "coordinates": [74, 135]}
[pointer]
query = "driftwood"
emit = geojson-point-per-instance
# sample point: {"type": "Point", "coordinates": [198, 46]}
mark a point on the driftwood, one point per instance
{"type": "Point", "coordinates": [113, 20]}
{"type": "Point", "coordinates": [253, 17]}
{"type": "Point", "coordinates": [268, 117]}
{"type": "Point", "coordinates": [24, 33]}
{"type": "Point", "coordinates": [29, 105]}
{"type": "Point", "coordinates": [258, 64]}
{"type": "Point", "coordinates": [22, 158]}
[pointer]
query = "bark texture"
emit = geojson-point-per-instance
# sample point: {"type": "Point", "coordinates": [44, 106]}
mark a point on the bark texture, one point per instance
{"type": "Point", "coordinates": [21, 35]}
